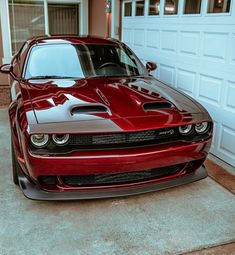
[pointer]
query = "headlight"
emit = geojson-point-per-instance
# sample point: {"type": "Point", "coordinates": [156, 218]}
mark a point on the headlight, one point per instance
{"type": "Point", "coordinates": [185, 130]}
{"type": "Point", "coordinates": [39, 140]}
{"type": "Point", "coordinates": [60, 139]}
{"type": "Point", "coordinates": [202, 128]}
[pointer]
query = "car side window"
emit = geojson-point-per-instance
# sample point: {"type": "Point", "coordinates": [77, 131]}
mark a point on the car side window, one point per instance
{"type": "Point", "coordinates": [124, 59]}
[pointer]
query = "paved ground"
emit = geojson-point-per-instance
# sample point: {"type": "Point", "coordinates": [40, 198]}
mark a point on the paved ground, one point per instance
{"type": "Point", "coordinates": [174, 221]}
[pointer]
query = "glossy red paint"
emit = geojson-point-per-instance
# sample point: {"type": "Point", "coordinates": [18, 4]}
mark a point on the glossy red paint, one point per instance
{"type": "Point", "coordinates": [122, 160]}
{"type": "Point", "coordinates": [44, 106]}
{"type": "Point", "coordinates": [123, 97]}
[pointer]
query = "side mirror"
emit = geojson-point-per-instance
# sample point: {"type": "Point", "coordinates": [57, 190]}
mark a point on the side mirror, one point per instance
{"type": "Point", "coordinates": [150, 66]}
{"type": "Point", "coordinates": [6, 69]}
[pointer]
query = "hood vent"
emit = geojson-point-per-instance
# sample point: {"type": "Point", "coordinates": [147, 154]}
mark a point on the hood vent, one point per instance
{"type": "Point", "coordinates": [89, 109]}
{"type": "Point", "coordinates": [157, 106]}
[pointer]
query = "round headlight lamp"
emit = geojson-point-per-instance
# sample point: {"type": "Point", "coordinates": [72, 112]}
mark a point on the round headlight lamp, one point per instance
{"type": "Point", "coordinates": [39, 140]}
{"type": "Point", "coordinates": [60, 139]}
{"type": "Point", "coordinates": [185, 130]}
{"type": "Point", "coordinates": [202, 128]}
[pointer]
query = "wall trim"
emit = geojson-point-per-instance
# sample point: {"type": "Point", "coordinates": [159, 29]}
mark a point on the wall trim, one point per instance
{"type": "Point", "coordinates": [115, 20]}
{"type": "Point", "coordinates": [6, 32]}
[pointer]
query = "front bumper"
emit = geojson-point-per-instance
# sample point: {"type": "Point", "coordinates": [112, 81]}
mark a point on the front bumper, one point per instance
{"type": "Point", "coordinates": [32, 191]}
{"type": "Point", "coordinates": [121, 160]}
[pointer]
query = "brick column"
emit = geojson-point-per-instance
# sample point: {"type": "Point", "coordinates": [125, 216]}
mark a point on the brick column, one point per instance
{"type": "Point", "coordinates": [4, 87]}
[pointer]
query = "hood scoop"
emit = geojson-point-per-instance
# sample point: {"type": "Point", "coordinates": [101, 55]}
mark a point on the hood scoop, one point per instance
{"type": "Point", "coordinates": [154, 106]}
{"type": "Point", "coordinates": [89, 109]}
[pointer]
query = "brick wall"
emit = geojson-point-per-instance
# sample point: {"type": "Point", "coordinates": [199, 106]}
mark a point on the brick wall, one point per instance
{"type": "Point", "coordinates": [4, 88]}
{"type": "Point", "coordinates": [4, 96]}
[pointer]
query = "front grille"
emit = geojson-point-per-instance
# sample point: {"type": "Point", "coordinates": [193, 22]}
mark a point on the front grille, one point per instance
{"type": "Point", "coordinates": [122, 139]}
{"type": "Point", "coordinates": [102, 141]}
{"type": "Point", "coordinates": [120, 178]}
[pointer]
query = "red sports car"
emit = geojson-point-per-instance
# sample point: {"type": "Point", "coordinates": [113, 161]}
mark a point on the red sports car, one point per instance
{"type": "Point", "coordinates": [89, 121]}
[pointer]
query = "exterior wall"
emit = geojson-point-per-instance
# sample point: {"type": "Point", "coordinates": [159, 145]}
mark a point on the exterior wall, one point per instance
{"type": "Point", "coordinates": [97, 18]}
{"type": "Point", "coordinates": [4, 89]}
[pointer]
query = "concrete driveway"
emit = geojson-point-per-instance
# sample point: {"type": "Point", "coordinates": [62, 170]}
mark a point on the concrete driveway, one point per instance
{"type": "Point", "coordinates": [173, 221]}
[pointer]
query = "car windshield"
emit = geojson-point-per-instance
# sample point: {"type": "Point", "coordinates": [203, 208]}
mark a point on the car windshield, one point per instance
{"type": "Point", "coordinates": [82, 61]}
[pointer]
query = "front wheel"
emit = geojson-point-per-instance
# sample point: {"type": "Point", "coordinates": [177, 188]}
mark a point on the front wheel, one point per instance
{"type": "Point", "coordinates": [15, 166]}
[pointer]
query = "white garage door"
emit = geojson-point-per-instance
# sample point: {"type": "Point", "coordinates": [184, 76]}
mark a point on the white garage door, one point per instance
{"type": "Point", "coordinates": [193, 43]}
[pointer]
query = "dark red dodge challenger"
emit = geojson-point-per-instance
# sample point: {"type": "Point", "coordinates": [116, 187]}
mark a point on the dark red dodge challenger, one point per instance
{"type": "Point", "coordinates": [89, 121]}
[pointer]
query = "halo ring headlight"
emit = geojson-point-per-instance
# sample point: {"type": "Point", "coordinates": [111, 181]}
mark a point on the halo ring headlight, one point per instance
{"type": "Point", "coordinates": [39, 140]}
{"type": "Point", "coordinates": [60, 139]}
{"type": "Point", "coordinates": [185, 130]}
{"type": "Point", "coordinates": [202, 128]}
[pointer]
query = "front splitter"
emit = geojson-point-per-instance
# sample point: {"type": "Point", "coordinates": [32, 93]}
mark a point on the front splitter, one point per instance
{"type": "Point", "coordinates": [32, 191]}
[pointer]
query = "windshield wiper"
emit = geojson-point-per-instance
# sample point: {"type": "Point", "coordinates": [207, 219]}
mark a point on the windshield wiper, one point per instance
{"type": "Point", "coordinates": [98, 76]}
{"type": "Point", "coordinates": [110, 76]}
{"type": "Point", "coordinates": [39, 77]}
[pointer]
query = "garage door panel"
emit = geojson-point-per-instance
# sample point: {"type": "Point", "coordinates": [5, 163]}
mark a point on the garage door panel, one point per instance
{"type": "Point", "coordinates": [186, 81]}
{"type": "Point", "coordinates": [139, 37]}
{"type": "Point", "coordinates": [127, 36]}
{"type": "Point", "coordinates": [233, 49]}
{"type": "Point", "coordinates": [230, 97]}
{"type": "Point", "coordinates": [153, 38]}
{"type": "Point", "coordinates": [189, 43]}
{"type": "Point", "coordinates": [227, 141]}
{"type": "Point", "coordinates": [169, 40]}
{"type": "Point", "coordinates": [167, 74]}
{"type": "Point", "coordinates": [210, 89]}
{"type": "Point", "coordinates": [215, 45]}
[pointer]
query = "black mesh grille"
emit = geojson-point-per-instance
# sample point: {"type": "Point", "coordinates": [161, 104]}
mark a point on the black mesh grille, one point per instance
{"type": "Point", "coordinates": [120, 178]}
{"type": "Point", "coordinates": [132, 138]}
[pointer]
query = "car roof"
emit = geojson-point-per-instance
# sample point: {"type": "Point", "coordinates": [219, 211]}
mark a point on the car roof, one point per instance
{"type": "Point", "coordinates": [72, 39]}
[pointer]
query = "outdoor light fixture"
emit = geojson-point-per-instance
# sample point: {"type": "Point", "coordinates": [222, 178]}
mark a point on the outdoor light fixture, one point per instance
{"type": "Point", "coordinates": [108, 8]}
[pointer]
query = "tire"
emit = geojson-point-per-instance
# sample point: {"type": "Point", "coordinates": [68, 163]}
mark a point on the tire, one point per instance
{"type": "Point", "coordinates": [15, 166]}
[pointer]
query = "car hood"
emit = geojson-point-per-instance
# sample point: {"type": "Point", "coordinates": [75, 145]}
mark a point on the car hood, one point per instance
{"type": "Point", "coordinates": [129, 104]}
